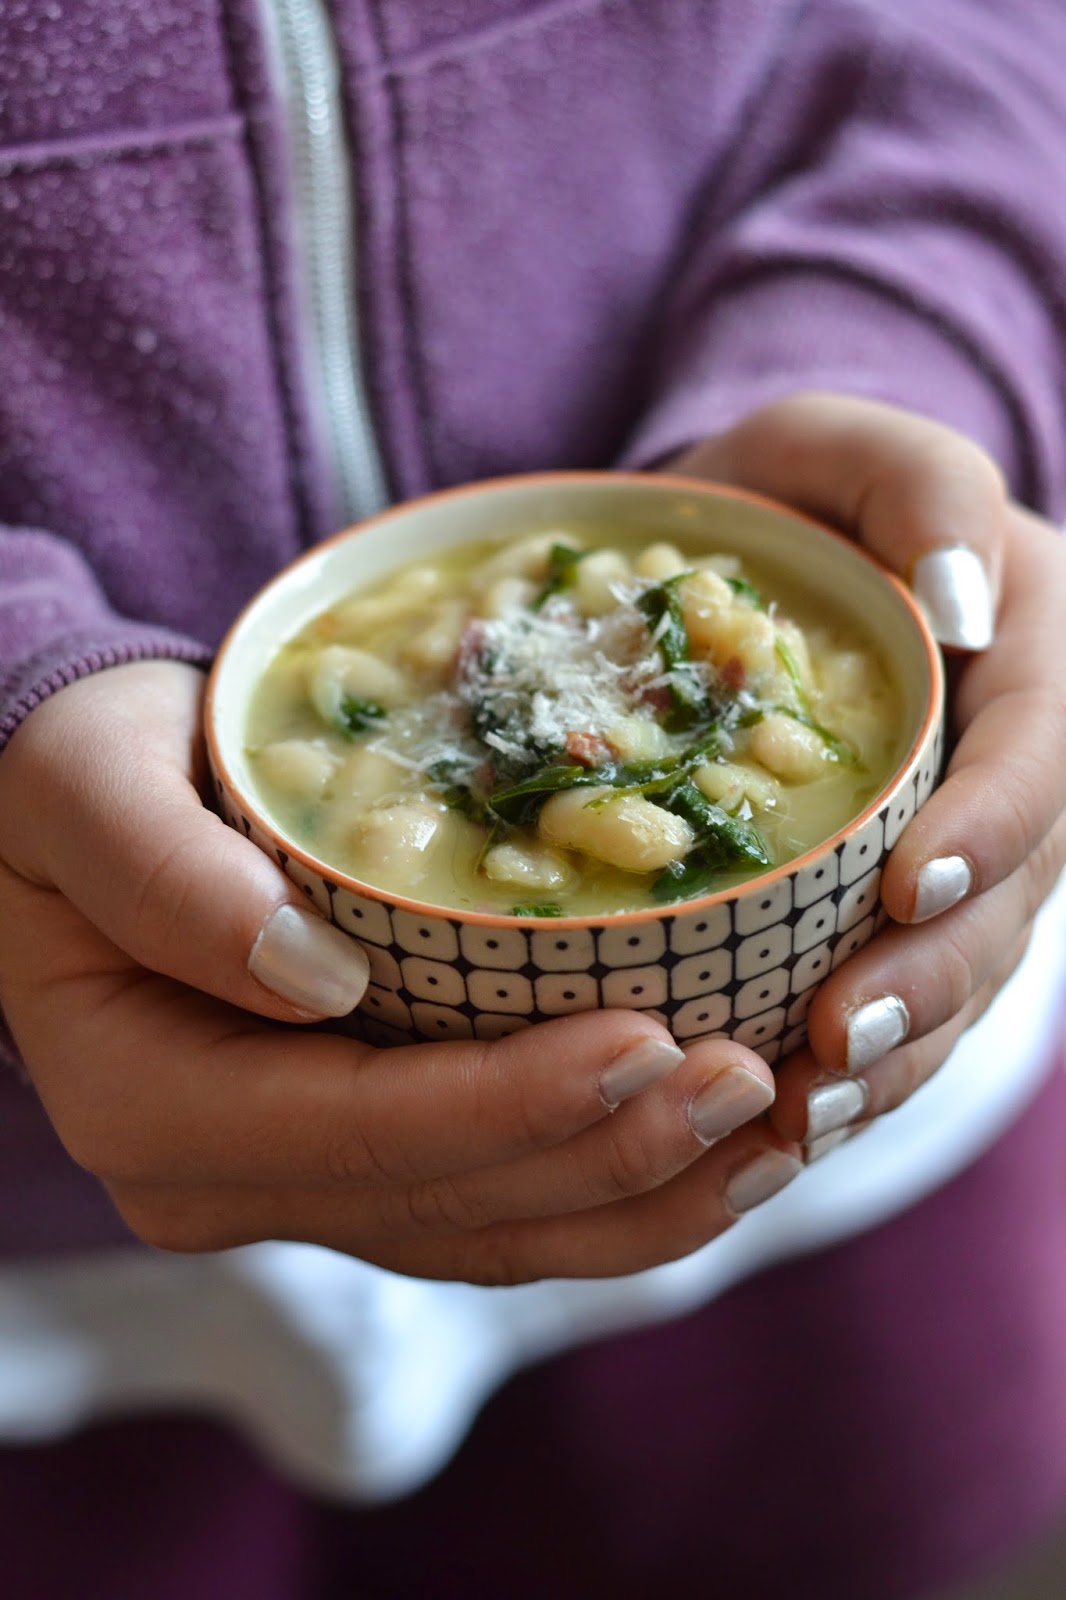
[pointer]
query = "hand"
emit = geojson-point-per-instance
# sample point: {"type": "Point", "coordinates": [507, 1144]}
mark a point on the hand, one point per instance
{"type": "Point", "coordinates": [970, 871]}
{"type": "Point", "coordinates": [138, 938]}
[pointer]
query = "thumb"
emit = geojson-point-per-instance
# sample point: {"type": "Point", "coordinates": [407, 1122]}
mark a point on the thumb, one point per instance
{"type": "Point", "coordinates": [98, 801]}
{"type": "Point", "coordinates": [926, 500]}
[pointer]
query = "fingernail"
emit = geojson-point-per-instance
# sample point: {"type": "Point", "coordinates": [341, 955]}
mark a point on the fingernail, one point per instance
{"type": "Point", "coordinates": [953, 587]}
{"type": "Point", "coordinates": [635, 1069]}
{"type": "Point", "coordinates": [815, 1149]}
{"type": "Point", "coordinates": [874, 1029]}
{"type": "Point", "coordinates": [750, 1185]}
{"type": "Point", "coordinates": [309, 962]}
{"type": "Point", "coordinates": [833, 1104]}
{"type": "Point", "coordinates": [941, 883]}
{"type": "Point", "coordinates": [734, 1097]}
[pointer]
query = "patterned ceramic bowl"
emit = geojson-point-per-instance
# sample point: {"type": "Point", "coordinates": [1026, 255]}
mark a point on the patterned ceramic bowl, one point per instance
{"type": "Point", "coordinates": [743, 962]}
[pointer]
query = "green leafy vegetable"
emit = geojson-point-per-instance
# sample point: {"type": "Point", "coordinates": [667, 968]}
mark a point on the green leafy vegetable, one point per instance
{"type": "Point", "coordinates": [837, 749]}
{"type": "Point", "coordinates": [722, 842]}
{"type": "Point", "coordinates": [356, 715]}
{"type": "Point", "coordinates": [547, 909]}
{"type": "Point", "coordinates": [460, 792]}
{"type": "Point", "coordinates": [521, 801]}
{"type": "Point", "coordinates": [747, 590]}
{"type": "Point", "coordinates": [660, 606]}
{"type": "Point", "coordinates": [561, 564]}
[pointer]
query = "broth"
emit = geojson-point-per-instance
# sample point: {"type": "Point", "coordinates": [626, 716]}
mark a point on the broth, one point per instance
{"type": "Point", "coordinates": [571, 723]}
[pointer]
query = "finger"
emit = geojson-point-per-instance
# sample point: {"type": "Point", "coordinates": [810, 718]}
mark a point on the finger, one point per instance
{"type": "Point", "coordinates": [925, 500]}
{"type": "Point", "coordinates": [159, 1084]}
{"type": "Point", "coordinates": [909, 981]}
{"type": "Point", "coordinates": [631, 1235]}
{"type": "Point", "coordinates": [164, 878]}
{"type": "Point", "coordinates": [716, 1089]}
{"type": "Point", "coordinates": [1006, 783]}
{"type": "Point", "coordinates": [814, 1104]}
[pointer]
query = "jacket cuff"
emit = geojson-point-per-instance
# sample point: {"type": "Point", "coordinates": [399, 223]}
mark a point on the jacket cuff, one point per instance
{"type": "Point", "coordinates": [787, 333]}
{"type": "Point", "coordinates": [83, 652]}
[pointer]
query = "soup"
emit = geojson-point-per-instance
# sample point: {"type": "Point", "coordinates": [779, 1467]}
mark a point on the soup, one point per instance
{"type": "Point", "coordinates": [571, 724]}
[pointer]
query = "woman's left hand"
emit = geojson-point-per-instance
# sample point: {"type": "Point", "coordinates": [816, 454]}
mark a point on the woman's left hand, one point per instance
{"type": "Point", "coordinates": [969, 873]}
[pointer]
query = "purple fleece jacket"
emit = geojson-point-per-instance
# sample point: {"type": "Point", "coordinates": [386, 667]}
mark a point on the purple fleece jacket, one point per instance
{"type": "Point", "coordinates": [590, 231]}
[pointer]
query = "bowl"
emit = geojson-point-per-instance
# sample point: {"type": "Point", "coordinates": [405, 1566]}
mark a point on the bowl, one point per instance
{"type": "Point", "coordinates": [744, 961]}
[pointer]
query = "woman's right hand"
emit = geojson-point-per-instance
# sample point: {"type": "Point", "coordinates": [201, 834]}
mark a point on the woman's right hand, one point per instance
{"type": "Point", "coordinates": [147, 954]}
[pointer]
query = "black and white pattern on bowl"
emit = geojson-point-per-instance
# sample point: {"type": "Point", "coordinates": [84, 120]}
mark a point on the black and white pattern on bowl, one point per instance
{"type": "Point", "coordinates": [746, 966]}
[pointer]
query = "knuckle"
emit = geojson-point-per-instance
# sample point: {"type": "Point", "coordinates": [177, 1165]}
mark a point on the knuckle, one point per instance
{"type": "Point", "coordinates": [161, 897]}
{"type": "Point", "coordinates": [632, 1164]}
{"type": "Point", "coordinates": [538, 1123]}
{"type": "Point", "coordinates": [354, 1158]}
{"type": "Point", "coordinates": [1021, 804]}
{"type": "Point", "coordinates": [441, 1207]}
{"type": "Point", "coordinates": [956, 968]}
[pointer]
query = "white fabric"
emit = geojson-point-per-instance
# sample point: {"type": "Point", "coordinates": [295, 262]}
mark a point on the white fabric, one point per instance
{"type": "Point", "coordinates": [360, 1383]}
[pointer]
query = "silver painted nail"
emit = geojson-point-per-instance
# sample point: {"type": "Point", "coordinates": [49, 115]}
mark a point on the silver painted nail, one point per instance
{"type": "Point", "coordinates": [833, 1104]}
{"type": "Point", "coordinates": [874, 1029]}
{"type": "Point", "coordinates": [636, 1069]}
{"type": "Point", "coordinates": [750, 1185]}
{"type": "Point", "coordinates": [309, 963]}
{"type": "Point", "coordinates": [734, 1097]}
{"type": "Point", "coordinates": [954, 590]}
{"type": "Point", "coordinates": [815, 1149]}
{"type": "Point", "coordinates": [941, 883]}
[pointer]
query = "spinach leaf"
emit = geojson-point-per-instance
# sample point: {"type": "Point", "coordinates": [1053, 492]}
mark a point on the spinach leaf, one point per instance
{"type": "Point", "coordinates": [561, 563]}
{"type": "Point", "coordinates": [460, 791]}
{"type": "Point", "coordinates": [547, 909]}
{"type": "Point", "coordinates": [747, 590]}
{"type": "Point", "coordinates": [722, 842]}
{"type": "Point", "coordinates": [837, 749]}
{"type": "Point", "coordinates": [660, 606]}
{"type": "Point", "coordinates": [682, 880]}
{"type": "Point", "coordinates": [732, 839]}
{"type": "Point", "coordinates": [356, 715]}
{"type": "Point", "coordinates": [521, 801]}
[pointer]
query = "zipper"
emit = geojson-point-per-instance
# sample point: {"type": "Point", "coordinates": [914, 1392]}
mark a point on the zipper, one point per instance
{"type": "Point", "coordinates": [307, 79]}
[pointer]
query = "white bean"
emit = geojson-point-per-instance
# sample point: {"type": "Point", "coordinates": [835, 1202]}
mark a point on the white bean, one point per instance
{"type": "Point", "coordinates": [595, 578]}
{"type": "Point", "coordinates": [788, 749]}
{"type": "Point", "coordinates": [626, 831]}
{"type": "Point", "coordinates": [368, 775]}
{"type": "Point", "coordinates": [848, 677]}
{"type": "Point", "coordinates": [355, 617]}
{"type": "Point", "coordinates": [432, 648]}
{"type": "Point", "coordinates": [730, 782]}
{"type": "Point", "coordinates": [342, 671]}
{"type": "Point", "coordinates": [527, 866]}
{"type": "Point", "coordinates": [396, 841]}
{"type": "Point", "coordinates": [298, 767]}
{"type": "Point", "coordinates": [638, 738]}
{"type": "Point", "coordinates": [525, 558]}
{"type": "Point", "coordinates": [660, 561]}
{"type": "Point", "coordinates": [507, 594]}
{"type": "Point", "coordinates": [726, 628]}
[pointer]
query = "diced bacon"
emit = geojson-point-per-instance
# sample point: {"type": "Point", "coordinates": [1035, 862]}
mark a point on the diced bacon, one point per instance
{"type": "Point", "coordinates": [733, 674]}
{"type": "Point", "coordinates": [658, 697]}
{"type": "Point", "coordinates": [587, 748]}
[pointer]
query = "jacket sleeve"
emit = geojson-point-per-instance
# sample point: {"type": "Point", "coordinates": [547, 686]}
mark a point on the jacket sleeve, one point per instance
{"type": "Point", "coordinates": [57, 625]}
{"type": "Point", "coordinates": [890, 223]}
